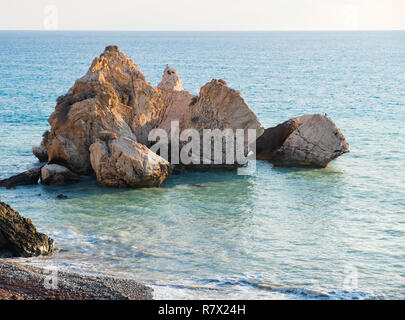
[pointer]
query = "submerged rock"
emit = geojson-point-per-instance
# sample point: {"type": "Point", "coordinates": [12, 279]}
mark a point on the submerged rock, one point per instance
{"type": "Point", "coordinates": [19, 237]}
{"type": "Point", "coordinates": [26, 178]}
{"type": "Point", "coordinates": [40, 152]}
{"type": "Point", "coordinates": [123, 162]}
{"type": "Point", "coordinates": [306, 141]}
{"type": "Point", "coordinates": [54, 174]}
{"type": "Point", "coordinates": [197, 185]}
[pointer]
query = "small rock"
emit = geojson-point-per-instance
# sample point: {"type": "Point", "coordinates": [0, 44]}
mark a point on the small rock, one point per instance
{"type": "Point", "coordinates": [54, 174]}
{"type": "Point", "coordinates": [123, 162]}
{"type": "Point", "coordinates": [40, 152]}
{"type": "Point", "coordinates": [61, 196]}
{"type": "Point", "coordinates": [307, 141]}
{"type": "Point", "coordinates": [26, 178]}
{"type": "Point", "coordinates": [197, 185]}
{"type": "Point", "coordinates": [171, 80]}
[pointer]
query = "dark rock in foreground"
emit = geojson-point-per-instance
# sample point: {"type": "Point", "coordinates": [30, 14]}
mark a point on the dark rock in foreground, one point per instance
{"type": "Point", "coordinates": [307, 141]}
{"type": "Point", "coordinates": [26, 178]}
{"type": "Point", "coordinates": [19, 237]}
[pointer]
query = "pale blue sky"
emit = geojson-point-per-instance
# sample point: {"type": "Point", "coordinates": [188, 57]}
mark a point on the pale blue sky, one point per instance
{"type": "Point", "coordinates": [203, 14]}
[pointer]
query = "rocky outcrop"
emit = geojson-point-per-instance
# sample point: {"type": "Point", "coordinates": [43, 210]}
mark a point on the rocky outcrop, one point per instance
{"type": "Point", "coordinates": [103, 123]}
{"type": "Point", "coordinates": [54, 174]}
{"type": "Point", "coordinates": [26, 178]}
{"type": "Point", "coordinates": [40, 152]}
{"type": "Point", "coordinates": [113, 96]}
{"type": "Point", "coordinates": [19, 237]}
{"type": "Point", "coordinates": [220, 107]}
{"type": "Point", "coordinates": [171, 80]}
{"type": "Point", "coordinates": [306, 141]}
{"type": "Point", "coordinates": [122, 162]}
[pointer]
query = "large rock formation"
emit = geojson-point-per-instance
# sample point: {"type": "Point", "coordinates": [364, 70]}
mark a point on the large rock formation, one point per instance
{"type": "Point", "coordinates": [26, 178]}
{"type": "Point", "coordinates": [54, 174]}
{"type": "Point", "coordinates": [19, 237]}
{"type": "Point", "coordinates": [114, 96]}
{"type": "Point", "coordinates": [122, 162]}
{"type": "Point", "coordinates": [306, 141]}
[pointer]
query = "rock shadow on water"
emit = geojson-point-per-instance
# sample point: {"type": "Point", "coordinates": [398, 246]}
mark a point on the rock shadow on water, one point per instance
{"type": "Point", "coordinates": [203, 178]}
{"type": "Point", "coordinates": [311, 173]}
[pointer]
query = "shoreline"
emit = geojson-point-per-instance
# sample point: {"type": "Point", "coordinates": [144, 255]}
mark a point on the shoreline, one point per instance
{"type": "Point", "coordinates": [20, 282]}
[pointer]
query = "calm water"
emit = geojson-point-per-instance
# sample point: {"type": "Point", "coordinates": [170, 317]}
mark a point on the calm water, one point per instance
{"type": "Point", "coordinates": [280, 233]}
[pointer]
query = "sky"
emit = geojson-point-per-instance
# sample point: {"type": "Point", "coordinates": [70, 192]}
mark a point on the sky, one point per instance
{"type": "Point", "coordinates": [202, 15]}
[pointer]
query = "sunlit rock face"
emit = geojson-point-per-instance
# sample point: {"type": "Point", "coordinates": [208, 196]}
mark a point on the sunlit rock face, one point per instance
{"type": "Point", "coordinates": [114, 96]}
{"type": "Point", "coordinates": [122, 162]}
{"type": "Point", "coordinates": [171, 80]}
{"type": "Point", "coordinates": [216, 107]}
{"type": "Point", "coordinates": [54, 174]}
{"type": "Point", "coordinates": [306, 141]}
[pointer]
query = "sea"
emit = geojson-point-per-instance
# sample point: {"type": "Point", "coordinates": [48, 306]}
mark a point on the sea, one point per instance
{"type": "Point", "coordinates": [278, 233]}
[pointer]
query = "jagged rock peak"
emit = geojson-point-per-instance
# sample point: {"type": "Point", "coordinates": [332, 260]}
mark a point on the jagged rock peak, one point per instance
{"type": "Point", "coordinates": [111, 48]}
{"type": "Point", "coordinates": [113, 61]}
{"type": "Point", "coordinates": [114, 96]}
{"type": "Point", "coordinates": [171, 80]}
{"type": "Point", "coordinates": [219, 82]}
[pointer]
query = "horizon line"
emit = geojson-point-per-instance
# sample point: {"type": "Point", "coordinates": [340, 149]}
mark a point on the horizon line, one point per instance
{"type": "Point", "coordinates": [219, 30]}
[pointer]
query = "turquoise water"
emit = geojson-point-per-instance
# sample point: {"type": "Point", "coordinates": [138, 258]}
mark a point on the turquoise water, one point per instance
{"type": "Point", "coordinates": [335, 233]}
